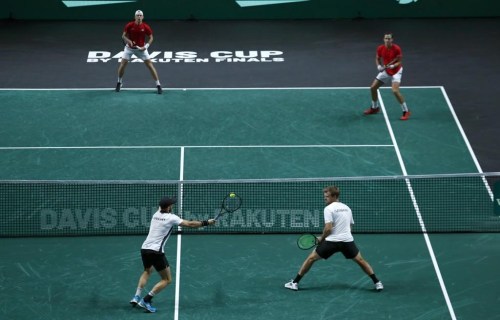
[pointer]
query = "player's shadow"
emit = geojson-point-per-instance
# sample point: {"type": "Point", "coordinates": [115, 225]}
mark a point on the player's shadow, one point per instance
{"type": "Point", "coordinates": [145, 91]}
{"type": "Point", "coordinates": [344, 287]}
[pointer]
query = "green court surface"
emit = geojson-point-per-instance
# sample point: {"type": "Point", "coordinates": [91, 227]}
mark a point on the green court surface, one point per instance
{"type": "Point", "coordinates": [208, 134]}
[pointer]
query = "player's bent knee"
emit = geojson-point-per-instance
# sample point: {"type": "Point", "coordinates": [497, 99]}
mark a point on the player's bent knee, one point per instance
{"type": "Point", "coordinates": [313, 257]}
{"type": "Point", "coordinates": [358, 258]}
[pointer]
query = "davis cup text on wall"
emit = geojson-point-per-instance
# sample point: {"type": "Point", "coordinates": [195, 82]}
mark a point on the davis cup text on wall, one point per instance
{"type": "Point", "coordinates": [95, 218]}
{"type": "Point", "coordinates": [193, 56]}
{"type": "Point", "coordinates": [81, 219]}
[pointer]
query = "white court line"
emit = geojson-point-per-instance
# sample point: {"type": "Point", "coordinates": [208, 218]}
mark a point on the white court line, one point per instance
{"type": "Point", "coordinates": [417, 210]}
{"type": "Point", "coordinates": [179, 242]}
{"type": "Point", "coordinates": [177, 277]}
{"type": "Point", "coordinates": [208, 147]}
{"type": "Point", "coordinates": [469, 147]}
{"type": "Point", "coordinates": [213, 89]}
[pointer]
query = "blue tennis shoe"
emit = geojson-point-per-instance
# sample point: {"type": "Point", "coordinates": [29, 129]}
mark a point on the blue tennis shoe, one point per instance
{"type": "Point", "coordinates": [147, 306]}
{"type": "Point", "coordinates": [135, 300]}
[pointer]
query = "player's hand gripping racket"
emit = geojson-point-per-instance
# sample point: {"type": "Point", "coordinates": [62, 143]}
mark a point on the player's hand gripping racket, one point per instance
{"type": "Point", "coordinates": [133, 46]}
{"type": "Point", "coordinates": [230, 204]}
{"type": "Point", "coordinates": [307, 241]}
{"type": "Point", "coordinates": [388, 65]}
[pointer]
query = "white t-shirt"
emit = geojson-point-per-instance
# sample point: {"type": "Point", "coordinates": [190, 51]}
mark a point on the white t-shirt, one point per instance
{"type": "Point", "coordinates": [160, 229]}
{"type": "Point", "coordinates": [341, 217]}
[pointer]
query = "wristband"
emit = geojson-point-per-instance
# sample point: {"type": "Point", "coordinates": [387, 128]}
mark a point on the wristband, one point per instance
{"type": "Point", "coordinates": [146, 45]}
{"type": "Point", "coordinates": [204, 223]}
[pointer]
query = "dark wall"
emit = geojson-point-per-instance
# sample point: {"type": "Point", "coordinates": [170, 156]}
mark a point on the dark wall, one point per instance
{"type": "Point", "coordinates": [245, 9]}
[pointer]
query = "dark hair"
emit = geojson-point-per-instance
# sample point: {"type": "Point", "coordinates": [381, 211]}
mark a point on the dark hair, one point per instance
{"type": "Point", "coordinates": [389, 34]}
{"type": "Point", "coordinates": [167, 201]}
{"type": "Point", "coordinates": [332, 190]}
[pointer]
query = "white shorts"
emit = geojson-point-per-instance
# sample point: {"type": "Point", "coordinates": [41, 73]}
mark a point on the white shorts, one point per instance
{"type": "Point", "coordinates": [384, 77]}
{"type": "Point", "coordinates": [128, 53]}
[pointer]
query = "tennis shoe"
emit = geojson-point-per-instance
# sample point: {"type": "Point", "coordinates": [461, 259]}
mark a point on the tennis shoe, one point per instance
{"type": "Point", "coordinates": [292, 285]}
{"type": "Point", "coordinates": [135, 300]}
{"type": "Point", "coordinates": [405, 116]}
{"type": "Point", "coordinates": [371, 111]}
{"type": "Point", "coordinates": [118, 86]}
{"type": "Point", "coordinates": [379, 286]}
{"type": "Point", "coordinates": [147, 306]}
{"type": "Point", "coordinates": [160, 90]}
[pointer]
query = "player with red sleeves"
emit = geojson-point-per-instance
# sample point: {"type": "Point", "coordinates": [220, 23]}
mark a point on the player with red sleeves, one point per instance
{"type": "Point", "coordinates": [389, 64]}
{"type": "Point", "coordinates": [134, 36]}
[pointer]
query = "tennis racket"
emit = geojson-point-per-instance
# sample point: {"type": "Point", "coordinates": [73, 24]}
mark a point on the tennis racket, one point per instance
{"type": "Point", "coordinates": [230, 204]}
{"type": "Point", "coordinates": [392, 62]}
{"type": "Point", "coordinates": [307, 241]}
{"type": "Point", "coordinates": [125, 43]}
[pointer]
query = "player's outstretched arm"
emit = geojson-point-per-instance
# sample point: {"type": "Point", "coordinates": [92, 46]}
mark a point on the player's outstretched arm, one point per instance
{"type": "Point", "coordinates": [197, 224]}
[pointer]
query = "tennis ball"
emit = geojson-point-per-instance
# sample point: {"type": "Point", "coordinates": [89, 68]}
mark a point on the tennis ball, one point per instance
{"type": "Point", "coordinates": [232, 195]}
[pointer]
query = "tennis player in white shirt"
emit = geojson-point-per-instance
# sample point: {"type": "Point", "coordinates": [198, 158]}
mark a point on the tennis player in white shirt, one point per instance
{"type": "Point", "coordinates": [152, 250]}
{"type": "Point", "coordinates": [336, 237]}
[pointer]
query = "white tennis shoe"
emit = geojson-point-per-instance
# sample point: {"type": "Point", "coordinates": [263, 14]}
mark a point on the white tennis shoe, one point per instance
{"type": "Point", "coordinates": [292, 285]}
{"type": "Point", "coordinates": [379, 286]}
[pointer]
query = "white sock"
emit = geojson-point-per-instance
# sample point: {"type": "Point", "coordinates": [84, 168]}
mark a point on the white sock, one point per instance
{"type": "Point", "coordinates": [404, 107]}
{"type": "Point", "coordinates": [151, 293]}
{"type": "Point", "coordinates": [138, 292]}
{"type": "Point", "coordinates": [120, 80]}
{"type": "Point", "coordinates": [375, 104]}
{"type": "Point", "coordinates": [158, 83]}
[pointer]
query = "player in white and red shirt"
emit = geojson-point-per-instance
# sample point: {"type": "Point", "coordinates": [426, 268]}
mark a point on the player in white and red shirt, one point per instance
{"type": "Point", "coordinates": [134, 36]}
{"type": "Point", "coordinates": [388, 59]}
{"type": "Point", "coordinates": [336, 237]}
{"type": "Point", "coordinates": [152, 250]}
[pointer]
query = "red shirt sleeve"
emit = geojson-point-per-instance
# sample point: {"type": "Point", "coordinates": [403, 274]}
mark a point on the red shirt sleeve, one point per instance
{"type": "Point", "coordinates": [127, 27]}
{"type": "Point", "coordinates": [148, 29]}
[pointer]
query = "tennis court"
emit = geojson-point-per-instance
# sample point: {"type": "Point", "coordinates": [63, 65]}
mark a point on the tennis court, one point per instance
{"type": "Point", "coordinates": [220, 134]}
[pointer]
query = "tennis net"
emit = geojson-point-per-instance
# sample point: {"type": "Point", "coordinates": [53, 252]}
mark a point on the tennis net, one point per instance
{"type": "Point", "coordinates": [393, 204]}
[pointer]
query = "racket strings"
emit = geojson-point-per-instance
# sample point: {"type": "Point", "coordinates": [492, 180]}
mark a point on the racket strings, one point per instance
{"type": "Point", "coordinates": [232, 203]}
{"type": "Point", "coordinates": [306, 241]}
